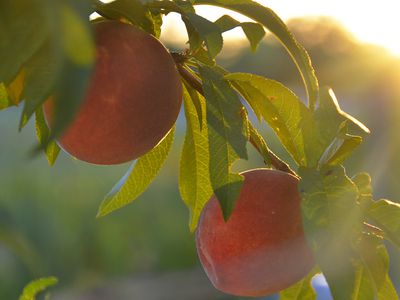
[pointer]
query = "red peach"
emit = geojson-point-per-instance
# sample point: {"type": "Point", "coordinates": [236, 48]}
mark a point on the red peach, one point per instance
{"type": "Point", "coordinates": [261, 249]}
{"type": "Point", "coordinates": [132, 101]}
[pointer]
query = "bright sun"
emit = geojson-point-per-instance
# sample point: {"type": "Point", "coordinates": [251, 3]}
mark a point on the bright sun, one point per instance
{"type": "Point", "coordinates": [368, 21]}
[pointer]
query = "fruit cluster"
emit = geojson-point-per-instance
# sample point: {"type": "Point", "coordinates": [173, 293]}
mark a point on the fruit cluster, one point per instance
{"type": "Point", "coordinates": [133, 100]}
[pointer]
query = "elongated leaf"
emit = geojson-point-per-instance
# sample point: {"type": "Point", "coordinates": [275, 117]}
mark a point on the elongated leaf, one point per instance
{"type": "Point", "coordinates": [301, 290]}
{"type": "Point", "coordinates": [330, 118]}
{"type": "Point", "coordinates": [41, 71]}
{"type": "Point", "coordinates": [43, 133]}
{"type": "Point", "coordinates": [138, 177]}
{"type": "Point", "coordinates": [273, 23]}
{"type": "Point", "coordinates": [253, 31]}
{"type": "Point", "coordinates": [4, 100]}
{"type": "Point", "coordinates": [387, 216]}
{"type": "Point", "coordinates": [197, 101]}
{"type": "Point", "coordinates": [194, 178]}
{"type": "Point", "coordinates": [24, 27]}
{"type": "Point", "coordinates": [37, 286]}
{"type": "Point", "coordinates": [59, 68]}
{"type": "Point", "coordinates": [208, 32]}
{"type": "Point", "coordinates": [341, 147]}
{"type": "Point", "coordinates": [374, 280]}
{"type": "Point", "coordinates": [133, 11]}
{"type": "Point", "coordinates": [227, 135]}
{"type": "Point", "coordinates": [291, 120]}
{"type": "Point", "coordinates": [332, 220]}
{"type": "Point", "coordinates": [15, 89]}
{"type": "Point", "coordinates": [75, 29]}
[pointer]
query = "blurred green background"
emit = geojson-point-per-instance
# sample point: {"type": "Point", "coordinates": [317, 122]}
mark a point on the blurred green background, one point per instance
{"type": "Point", "coordinates": [145, 251]}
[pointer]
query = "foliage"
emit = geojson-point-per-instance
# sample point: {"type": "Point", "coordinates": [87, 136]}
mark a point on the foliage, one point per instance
{"type": "Point", "coordinates": [37, 286]}
{"type": "Point", "coordinates": [337, 210]}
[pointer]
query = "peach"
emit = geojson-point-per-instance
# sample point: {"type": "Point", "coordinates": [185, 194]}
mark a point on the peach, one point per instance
{"type": "Point", "coordinates": [261, 249]}
{"type": "Point", "coordinates": [133, 98]}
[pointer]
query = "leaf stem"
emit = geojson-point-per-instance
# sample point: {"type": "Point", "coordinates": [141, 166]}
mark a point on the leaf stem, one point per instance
{"type": "Point", "coordinates": [194, 82]}
{"type": "Point", "coordinates": [275, 161]}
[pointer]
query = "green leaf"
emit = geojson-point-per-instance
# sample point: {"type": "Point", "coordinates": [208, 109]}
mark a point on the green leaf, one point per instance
{"type": "Point", "coordinates": [203, 56]}
{"type": "Point", "coordinates": [253, 31]}
{"type": "Point", "coordinates": [75, 29]}
{"type": "Point", "coordinates": [373, 277]}
{"type": "Point", "coordinates": [332, 220]}
{"type": "Point", "coordinates": [14, 90]}
{"type": "Point", "coordinates": [363, 182]}
{"type": "Point", "coordinates": [291, 120]}
{"type": "Point", "coordinates": [59, 68]}
{"type": "Point", "coordinates": [194, 177]}
{"type": "Point", "coordinates": [43, 133]}
{"type": "Point", "coordinates": [4, 100]}
{"type": "Point", "coordinates": [386, 214]}
{"type": "Point", "coordinates": [207, 32]}
{"type": "Point", "coordinates": [341, 147]}
{"type": "Point", "coordinates": [133, 11]}
{"type": "Point", "coordinates": [302, 290]}
{"type": "Point", "coordinates": [330, 118]}
{"type": "Point", "coordinates": [227, 135]}
{"type": "Point", "coordinates": [138, 177]}
{"type": "Point", "coordinates": [24, 27]}
{"type": "Point", "coordinates": [185, 6]}
{"type": "Point", "coordinates": [37, 286]}
{"type": "Point", "coordinates": [41, 72]}
{"type": "Point", "coordinates": [197, 101]}
{"type": "Point", "coordinates": [275, 25]}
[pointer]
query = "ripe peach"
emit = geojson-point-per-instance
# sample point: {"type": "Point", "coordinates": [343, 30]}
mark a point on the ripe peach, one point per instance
{"type": "Point", "coordinates": [261, 249]}
{"type": "Point", "coordinates": [132, 101]}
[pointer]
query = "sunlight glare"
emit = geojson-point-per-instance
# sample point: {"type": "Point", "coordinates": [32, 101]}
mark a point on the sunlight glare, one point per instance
{"type": "Point", "coordinates": [366, 20]}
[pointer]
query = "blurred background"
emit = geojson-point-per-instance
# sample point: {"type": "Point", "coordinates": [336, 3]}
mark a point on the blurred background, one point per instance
{"type": "Point", "coordinates": [145, 251]}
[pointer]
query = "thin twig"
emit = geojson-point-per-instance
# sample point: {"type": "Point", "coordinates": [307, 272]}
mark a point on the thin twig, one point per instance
{"type": "Point", "coordinates": [276, 162]}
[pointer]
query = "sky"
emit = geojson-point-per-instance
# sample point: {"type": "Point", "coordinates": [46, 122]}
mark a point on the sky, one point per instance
{"type": "Point", "coordinates": [376, 22]}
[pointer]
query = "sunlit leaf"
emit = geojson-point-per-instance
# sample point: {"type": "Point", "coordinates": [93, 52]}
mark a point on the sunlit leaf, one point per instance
{"type": "Point", "coordinates": [253, 31]}
{"type": "Point", "coordinates": [207, 31]}
{"type": "Point", "coordinates": [15, 88]}
{"type": "Point", "coordinates": [374, 280]}
{"type": "Point", "coordinates": [330, 118]}
{"type": "Point", "coordinates": [341, 147]}
{"type": "Point", "coordinates": [132, 10]}
{"type": "Point", "coordinates": [274, 24]}
{"type": "Point", "coordinates": [24, 27]}
{"type": "Point", "coordinates": [291, 120]}
{"type": "Point", "coordinates": [302, 290]}
{"type": "Point", "coordinates": [197, 101]}
{"type": "Point", "coordinates": [43, 133]}
{"type": "Point", "coordinates": [227, 135]}
{"type": "Point", "coordinates": [4, 100]}
{"type": "Point", "coordinates": [37, 286]}
{"type": "Point", "coordinates": [138, 177]}
{"type": "Point", "coordinates": [332, 220]}
{"type": "Point", "coordinates": [386, 214]}
{"type": "Point", "coordinates": [194, 177]}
